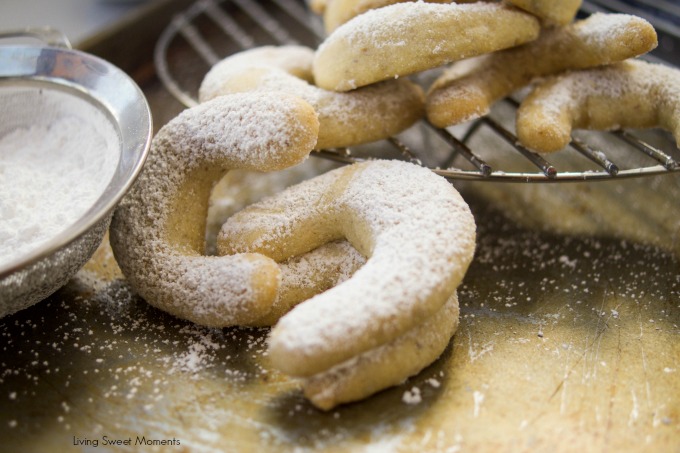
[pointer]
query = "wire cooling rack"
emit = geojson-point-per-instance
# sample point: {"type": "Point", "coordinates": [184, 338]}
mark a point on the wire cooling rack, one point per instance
{"type": "Point", "coordinates": [210, 30]}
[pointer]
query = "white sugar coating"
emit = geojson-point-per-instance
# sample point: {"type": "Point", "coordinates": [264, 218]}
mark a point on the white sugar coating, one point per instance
{"type": "Point", "coordinates": [375, 25]}
{"type": "Point", "coordinates": [469, 88]}
{"type": "Point", "coordinates": [413, 225]}
{"type": "Point", "coordinates": [298, 272]}
{"type": "Point", "coordinates": [633, 76]}
{"type": "Point", "coordinates": [163, 258]}
{"type": "Point", "coordinates": [199, 353]}
{"type": "Point", "coordinates": [386, 365]}
{"type": "Point", "coordinates": [651, 83]}
{"type": "Point", "coordinates": [328, 104]}
{"type": "Point", "coordinates": [54, 164]}
{"type": "Point", "coordinates": [385, 108]}
{"type": "Point", "coordinates": [244, 130]}
{"type": "Point", "coordinates": [602, 32]}
{"type": "Point", "coordinates": [406, 38]}
{"type": "Point", "coordinates": [295, 60]}
{"type": "Point", "coordinates": [601, 28]}
{"type": "Point", "coordinates": [344, 108]}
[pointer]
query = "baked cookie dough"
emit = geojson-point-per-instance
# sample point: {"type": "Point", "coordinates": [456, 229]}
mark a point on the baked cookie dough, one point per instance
{"type": "Point", "coordinates": [387, 365]}
{"type": "Point", "coordinates": [405, 38]}
{"type": "Point", "coordinates": [416, 231]}
{"type": "Point", "coordinates": [158, 231]}
{"type": "Point", "coordinates": [632, 93]}
{"type": "Point", "coordinates": [346, 119]}
{"type": "Point", "coordinates": [469, 88]}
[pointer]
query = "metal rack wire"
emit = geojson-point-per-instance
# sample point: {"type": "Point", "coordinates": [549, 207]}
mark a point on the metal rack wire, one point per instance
{"type": "Point", "coordinates": [209, 30]}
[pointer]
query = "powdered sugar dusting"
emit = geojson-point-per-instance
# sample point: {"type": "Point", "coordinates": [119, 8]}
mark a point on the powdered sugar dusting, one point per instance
{"type": "Point", "coordinates": [294, 60]}
{"type": "Point", "coordinates": [232, 398]}
{"type": "Point", "coordinates": [386, 365]}
{"type": "Point", "coordinates": [298, 272]}
{"type": "Point", "coordinates": [252, 131]}
{"type": "Point", "coordinates": [414, 226]}
{"type": "Point", "coordinates": [652, 84]}
{"type": "Point", "coordinates": [386, 107]}
{"type": "Point", "coordinates": [199, 354]}
{"type": "Point", "coordinates": [469, 87]}
{"type": "Point", "coordinates": [405, 38]}
{"type": "Point", "coordinates": [377, 25]}
{"type": "Point", "coordinates": [246, 131]}
{"type": "Point", "coordinates": [600, 28]}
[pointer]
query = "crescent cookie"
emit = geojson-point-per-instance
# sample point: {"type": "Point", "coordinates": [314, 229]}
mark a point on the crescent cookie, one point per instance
{"type": "Point", "coordinates": [632, 94]}
{"type": "Point", "coordinates": [468, 89]}
{"type": "Point", "coordinates": [345, 119]}
{"type": "Point", "coordinates": [387, 365]}
{"type": "Point", "coordinates": [556, 12]}
{"type": "Point", "coordinates": [305, 276]}
{"type": "Point", "coordinates": [406, 38]}
{"type": "Point", "coordinates": [414, 227]}
{"type": "Point", "coordinates": [157, 232]}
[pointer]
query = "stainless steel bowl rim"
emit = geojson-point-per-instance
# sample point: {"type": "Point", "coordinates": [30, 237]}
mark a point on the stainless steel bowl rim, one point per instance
{"type": "Point", "coordinates": [105, 86]}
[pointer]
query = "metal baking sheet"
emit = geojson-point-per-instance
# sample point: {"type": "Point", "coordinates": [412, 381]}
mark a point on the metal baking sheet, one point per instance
{"type": "Point", "coordinates": [565, 342]}
{"type": "Point", "coordinates": [569, 340]}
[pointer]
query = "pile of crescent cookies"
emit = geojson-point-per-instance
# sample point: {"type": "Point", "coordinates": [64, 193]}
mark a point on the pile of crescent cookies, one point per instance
{"type": "Point", "coordinates": [357, 269]}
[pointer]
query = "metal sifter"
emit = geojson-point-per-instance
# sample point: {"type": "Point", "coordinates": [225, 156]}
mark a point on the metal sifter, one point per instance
{"type": "Point", "coordinates": [76, 83]}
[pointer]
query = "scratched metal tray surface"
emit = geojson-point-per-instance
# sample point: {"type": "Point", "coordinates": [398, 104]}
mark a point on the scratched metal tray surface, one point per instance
{"type": "Point", "coordinates": [214, 29]}
{"type": "Point", "coordinates": [569, 340]}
